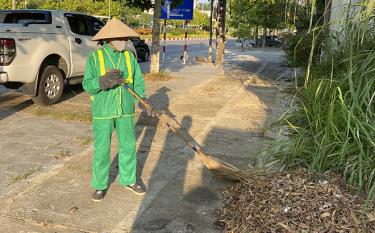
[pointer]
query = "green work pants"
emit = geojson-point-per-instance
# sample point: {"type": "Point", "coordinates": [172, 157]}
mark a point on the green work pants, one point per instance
{"type": "Point", "coordinates": [127, 160]}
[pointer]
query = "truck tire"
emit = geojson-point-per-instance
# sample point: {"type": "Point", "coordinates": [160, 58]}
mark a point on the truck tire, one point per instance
{"type": "Point", "coordinates": [50, 86]}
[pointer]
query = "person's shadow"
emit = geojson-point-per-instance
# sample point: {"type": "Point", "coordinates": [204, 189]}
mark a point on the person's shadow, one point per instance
{"type": "Point", "coordinates": [160, 100]}
{"type": "Point", "coordinates": [170, 170]}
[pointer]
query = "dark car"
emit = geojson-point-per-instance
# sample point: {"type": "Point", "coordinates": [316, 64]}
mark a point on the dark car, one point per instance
{"type": "Point", "coordinates": [143, 51]}
{"type": "Point", "coordinates": [271, 41]}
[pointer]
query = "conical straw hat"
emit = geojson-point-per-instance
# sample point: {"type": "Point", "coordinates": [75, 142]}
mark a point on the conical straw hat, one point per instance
{"type": "Point", "coordinates": [114, 29]}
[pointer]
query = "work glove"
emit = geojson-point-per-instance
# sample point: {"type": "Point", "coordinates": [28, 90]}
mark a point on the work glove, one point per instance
{"type": "Point", "coordinates": [111, 79]}
{"type": "Point", "coordinates": [150, 110]}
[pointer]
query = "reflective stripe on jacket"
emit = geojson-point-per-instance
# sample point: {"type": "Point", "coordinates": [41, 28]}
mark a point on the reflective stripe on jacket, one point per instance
{"type": "Point", "coordinates": [114, 102]}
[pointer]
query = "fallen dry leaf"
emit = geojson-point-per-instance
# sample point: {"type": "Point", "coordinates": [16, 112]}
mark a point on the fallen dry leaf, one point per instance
{"type": "Point", "coordinates": [292, 201]}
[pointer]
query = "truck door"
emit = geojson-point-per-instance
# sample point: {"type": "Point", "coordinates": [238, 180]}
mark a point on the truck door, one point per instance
{"type": "Point", "coordinates": [80, 41]}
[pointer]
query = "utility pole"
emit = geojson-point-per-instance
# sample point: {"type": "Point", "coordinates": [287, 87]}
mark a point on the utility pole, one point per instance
{"type": "Point", "coordinates": [14, 4]}
{"type": "Point", "coordinates": [221, 32]}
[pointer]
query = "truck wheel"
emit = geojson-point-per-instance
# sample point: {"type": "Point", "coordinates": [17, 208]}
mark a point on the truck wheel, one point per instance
{"type": "Point", "coordinates": [50, 86]}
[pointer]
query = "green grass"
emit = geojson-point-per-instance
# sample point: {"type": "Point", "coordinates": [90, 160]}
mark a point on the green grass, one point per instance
{"type": "Point", "coordinates": [333, 125]}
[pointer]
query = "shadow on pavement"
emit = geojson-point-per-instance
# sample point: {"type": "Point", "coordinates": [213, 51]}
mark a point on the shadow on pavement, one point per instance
{"type": "Point", "coordinates": [172, 209]}
{"type": "Point", "coordinates": [187, 201]}
{"type": "Point", "coordinates": [71, 91]}
{"type": "Point", "coordinates": [13, 102]}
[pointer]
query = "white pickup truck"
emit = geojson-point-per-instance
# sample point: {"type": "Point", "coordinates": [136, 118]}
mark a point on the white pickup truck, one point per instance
{"type": "Point", "coordinates": [40, 50]}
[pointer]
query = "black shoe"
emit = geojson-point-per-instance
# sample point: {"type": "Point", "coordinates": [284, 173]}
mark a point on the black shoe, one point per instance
{"type": "Point", "coordinates": [98, 195]}
{"type": "Point", "coordinates": [136, 188]}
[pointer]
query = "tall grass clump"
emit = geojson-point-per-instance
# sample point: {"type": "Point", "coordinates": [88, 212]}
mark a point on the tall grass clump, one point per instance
{"type": "Point", "coordinates": [332, 126]}
{"type": "Point", "coordinates": [298, 46]}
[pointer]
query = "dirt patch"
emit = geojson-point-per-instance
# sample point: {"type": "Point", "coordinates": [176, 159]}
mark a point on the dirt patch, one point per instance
{"type": "Point", "coordinates": [292, 201]}
{"type": "Point", "coordinates": [84, 141]}
{"type": "Point", "coordinates": [161, 76]}
{"type": "Point", "coordinates": [21, 176]}
{"type": "Point", "coordinates": [62, 155]}
{"type": "Point", "coordinates": [55, 113]}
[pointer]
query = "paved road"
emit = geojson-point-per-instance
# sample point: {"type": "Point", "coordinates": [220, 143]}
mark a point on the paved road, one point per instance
{"type": "Point", "coordinates": [174, 50]}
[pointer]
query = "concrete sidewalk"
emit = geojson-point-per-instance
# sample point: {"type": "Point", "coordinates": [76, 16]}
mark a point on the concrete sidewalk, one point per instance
{"type": "Point", "coordinates": [37, 139]}
{"type": "Point", "coordinates": [226, 113]}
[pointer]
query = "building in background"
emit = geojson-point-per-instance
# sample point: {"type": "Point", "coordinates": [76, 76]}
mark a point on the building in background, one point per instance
{"type": "Point", "coordinates": [338, 10]}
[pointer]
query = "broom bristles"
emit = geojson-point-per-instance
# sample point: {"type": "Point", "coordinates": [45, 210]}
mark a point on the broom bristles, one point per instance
{"type": "Point", "coordinates": [226, 170]}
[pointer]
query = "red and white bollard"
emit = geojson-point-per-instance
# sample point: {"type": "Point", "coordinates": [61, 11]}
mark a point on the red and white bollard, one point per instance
{"type": "Point", "coordinates": [185, 55]}
{"type": "Point", "coordinates": [164, 38]}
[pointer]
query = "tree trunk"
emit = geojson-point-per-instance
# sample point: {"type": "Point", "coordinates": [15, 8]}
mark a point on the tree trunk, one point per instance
{"type": "Point", "coordinates": [155, 46]}
{"type": "Point", "coordinates": [256, 35]}
{"type": "Point", "coordinates": [14, 4]}
{"type": "Point", "coordinates": [210, 41]}
{"type": "Point", "coordinates": [264, 36]}
{"type": "Point", "coordinates": [220, 51]}
{"type": "Point", "coordinates": [221, 35]}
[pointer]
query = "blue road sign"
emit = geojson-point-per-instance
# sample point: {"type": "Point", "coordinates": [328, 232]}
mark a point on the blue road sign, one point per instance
{"type": "Point", "coordinates": [177, 9]}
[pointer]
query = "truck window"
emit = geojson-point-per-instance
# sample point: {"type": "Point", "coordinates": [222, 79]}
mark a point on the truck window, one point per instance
{"type": "Point", "coordinates": [135, 40]}
{"type": "Point", "coordinates": [22, 17]}
{"type": "Point", "coordinates": [78, 25]}
{"type": "Point", "coordinates": [95, 25]}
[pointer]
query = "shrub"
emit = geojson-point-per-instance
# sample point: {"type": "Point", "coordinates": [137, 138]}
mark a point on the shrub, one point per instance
{"type": "Point", "coordinates": [333, 124]}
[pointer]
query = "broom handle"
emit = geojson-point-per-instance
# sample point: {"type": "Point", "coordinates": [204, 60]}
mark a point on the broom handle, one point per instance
{"type": "Point", "coordinates": [178, 132]}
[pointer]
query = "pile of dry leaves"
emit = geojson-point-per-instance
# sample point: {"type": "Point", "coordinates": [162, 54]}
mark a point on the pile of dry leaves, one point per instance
{"type": "Point", "coordinates": [294, 201]}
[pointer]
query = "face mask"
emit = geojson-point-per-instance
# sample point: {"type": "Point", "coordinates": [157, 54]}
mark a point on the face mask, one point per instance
{"type": "Point", "coordinates": [119, 45]}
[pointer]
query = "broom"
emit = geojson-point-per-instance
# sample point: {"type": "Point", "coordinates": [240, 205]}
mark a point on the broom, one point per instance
{"type": "Point", "coordinates": [220, 168]}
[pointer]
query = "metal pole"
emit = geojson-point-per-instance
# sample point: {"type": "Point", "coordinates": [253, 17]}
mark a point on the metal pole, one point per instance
{"type": "Point", "coordinates": [185, 46]}
{"type": "Point", "coordinates": [210, 41]}
{"type": "Point", "coordinates": [165, 38]}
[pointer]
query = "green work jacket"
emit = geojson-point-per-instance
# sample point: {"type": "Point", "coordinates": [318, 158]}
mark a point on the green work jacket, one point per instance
{"type": "Point", "coordinates": [117, 102]}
